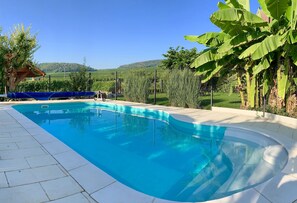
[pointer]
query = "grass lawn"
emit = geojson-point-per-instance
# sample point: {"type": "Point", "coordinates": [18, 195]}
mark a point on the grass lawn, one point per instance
{"type": "Point", "coordinates": [220, 100]}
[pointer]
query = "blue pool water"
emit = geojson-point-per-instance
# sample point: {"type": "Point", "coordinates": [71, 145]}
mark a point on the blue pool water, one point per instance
{"type": "Point", "coordinates": [156, 154]}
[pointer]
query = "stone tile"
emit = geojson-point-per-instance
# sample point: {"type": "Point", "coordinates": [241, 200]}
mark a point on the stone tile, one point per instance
{"type": "Point", "coordinates": [3, 181]}
{"type": "Point", "coordinates": [43, 160]}
{"type": "Point", "coordinates": [119, 193]}
{"type": "Point", "coordinates": [36, 131]}
{"type": "Point", "coordinates": [21, 132]}
{"type": "Point", "coordinates": [76, 198]}
{"type": "Point", "coordinates": [56, 147]}
{"type": "Point", "coordinates": [44, 138]}
{"type": "Point", "coordinates": [91, 178]}
{"type": "Point", "coordinates": [28, 144]}
{"type": "Point", "coordinates": [13, 128]}
{"type": "Point", "coordinates": [70, 160]}
{"type": "Point", "coordinates": [61, 187]}
{"type": "Point", "coordinates": [15, 139]}
{"type": "Point", "coordinates": [8, 146]}
{"type": "Point", "coordinates": [91, 200]}
{"type": "Point", "coordinates": [281, 188]}
{"type": "Point", "coordinates": [32, 193]}
{"type": "Point", "coordinates": [34, 175]}
{"type": "Point", "coordinates": [21, 153]}
{"type": "Point", "coordinates": [13, 164]}
{"type": "Point", "coordinates": [5, 135]}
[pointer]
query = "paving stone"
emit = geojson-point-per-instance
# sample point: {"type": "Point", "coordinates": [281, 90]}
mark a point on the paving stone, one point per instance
{"type": "Point", "coordinates": [77, 198]}
{"type": "Point", "coordinates": [3, 181]}
{"type": "Point", "coordinates": [32, 193]}
{"type": "Point", "coordinates": [61, 187]}
{"type": "Point", "coordinates": [21, 153]}
{"type": "Point", "coordinates": [56, 147]}
{"type": "Point", "coordinates": [13, 164]}
{"type": "Point", "coordinates": [43, 160]}
{"type": "Point", "coordinates": [91, 178]}
{"type": "Point", "coordinates": [71, 160]}
{"type": "Point", "coordinates": [119, 193]}
{"type": "Point", "coordinates": [34, 175]}
{"type": "Point", "coordinates": [8, 146]}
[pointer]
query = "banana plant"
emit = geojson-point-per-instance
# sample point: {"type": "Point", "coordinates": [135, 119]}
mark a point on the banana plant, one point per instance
{"type": "Point", "coordinates": [265, 48]}
{"type": "Point", "coordinates": [239, 30]}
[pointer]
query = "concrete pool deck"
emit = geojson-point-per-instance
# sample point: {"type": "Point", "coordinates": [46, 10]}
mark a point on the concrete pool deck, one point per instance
{"type": "Point", "coordinates": [37, 167]}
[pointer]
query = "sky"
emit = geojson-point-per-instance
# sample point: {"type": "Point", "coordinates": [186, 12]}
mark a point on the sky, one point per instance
{"type": "Point", "coordinates": [109, 33]}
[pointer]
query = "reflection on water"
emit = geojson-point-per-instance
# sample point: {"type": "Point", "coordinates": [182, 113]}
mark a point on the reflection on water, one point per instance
{"type": "Point", "coordinates": [154, 157]}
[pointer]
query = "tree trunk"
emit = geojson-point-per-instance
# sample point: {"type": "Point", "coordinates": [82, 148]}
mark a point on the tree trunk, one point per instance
{"type": "Point", "coordinates": [240, 89]}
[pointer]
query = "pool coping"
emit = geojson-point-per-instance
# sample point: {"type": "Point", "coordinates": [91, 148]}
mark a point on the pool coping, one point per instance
{"type": "Point", "coordinates": [102, 187]}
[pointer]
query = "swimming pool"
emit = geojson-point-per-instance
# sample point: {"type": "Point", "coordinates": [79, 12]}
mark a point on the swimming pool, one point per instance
{"type": "Point", "coordinates": [154, 153]}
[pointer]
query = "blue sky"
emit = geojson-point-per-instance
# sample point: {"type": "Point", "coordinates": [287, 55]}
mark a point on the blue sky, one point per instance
{"type": "Point", "coordinates": [109, 33]}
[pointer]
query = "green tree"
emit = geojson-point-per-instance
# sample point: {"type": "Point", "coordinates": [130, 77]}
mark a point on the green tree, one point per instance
{"type": "Point", "coordinates": [179, 58]}
{"type": "Point", "coordinates": [17, 52]}
{"type": "Point", "coordinates": [80, 81]}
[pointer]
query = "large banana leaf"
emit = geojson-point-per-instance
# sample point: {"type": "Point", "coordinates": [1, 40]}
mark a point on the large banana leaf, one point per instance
{"type": "Point", "coordinates": [292, 36]}
{"type": "Point", "coordinates": [268, 45]}
{"type": "Point", "coordinates": [234, 21]}
{"type": "Point", "coordinates": [293, 18]}
{"type": "Point", "coordinates": [202, 70]}
{"type": "Point", "coordinates": [209, 56]}
{"type": "Point", "coordinates": [245, 4]}
{"type": "Point", "coordinates": [249, 51]}
{"type": "Point", "coordinates": [223, 6]}
{"type": "Point", "coordinates": [276, 8]}
{"type": "Point", "coordinates": [209, 39]}
{"type": "Point", "coordinates": [210, 74]}
{"type": "Point", "coordinates": [233, 3]}
{"type": "Point", "coordinates": [263, 65]}
{"type": "Point", "coordinates": [239, 40]}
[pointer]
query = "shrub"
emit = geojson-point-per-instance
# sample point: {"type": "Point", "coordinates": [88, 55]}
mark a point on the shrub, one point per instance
{"type": "Point", "coordinates": [79, 81]}
{"type": "Point", "coordinates": [107, 86]}
{"type": "Point", "coordinates": [43, 86]}
{"type": "Point", "coordinates": [136, 86]}
{"type": "Point", "coordinates": [183, 88]}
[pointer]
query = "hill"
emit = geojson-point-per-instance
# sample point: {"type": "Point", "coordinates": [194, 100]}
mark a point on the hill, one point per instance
{"type": "Point", "coordinates": [143, 64]}
{"type": "Point", "coordinates": [61, 67]}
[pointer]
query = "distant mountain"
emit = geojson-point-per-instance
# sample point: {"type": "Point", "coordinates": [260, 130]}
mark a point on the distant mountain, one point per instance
{"type": "Point", "coordinates": [61, 67]}
{"type": "Point", "coordinates": [143, 64]}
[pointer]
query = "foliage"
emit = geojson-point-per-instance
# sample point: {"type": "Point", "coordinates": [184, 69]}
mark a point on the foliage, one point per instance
{"type": "Point", "coordinates": [79, 81]}
{"type": "Point", "coordinates": [183, 88]}
{"type": "Point", "coordinates": [62, 67]}
{"type": "Point", "coordinates": [179, 58]}
{"type": "Point", "coordinates": [17, 51]}
{"type": "Point", "coordinates": [259, 49]}
{"type": "Point", "coordinates": [136, 86]}
{"type": "Point", "coordinates": [107, 86]}
{"type": "Point", "coordinates": [43, 86]}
